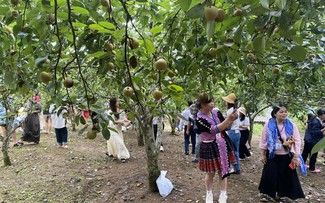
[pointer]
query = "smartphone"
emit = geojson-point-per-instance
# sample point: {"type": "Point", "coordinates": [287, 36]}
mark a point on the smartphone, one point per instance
{"type": "Point", "coordinates": [292, 165]}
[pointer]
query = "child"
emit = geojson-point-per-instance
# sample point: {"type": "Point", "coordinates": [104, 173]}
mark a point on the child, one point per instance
{"type": "Point", "coordinates": [59, 124]}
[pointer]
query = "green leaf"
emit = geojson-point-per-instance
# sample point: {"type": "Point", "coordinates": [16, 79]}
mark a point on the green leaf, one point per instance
{"type": "Point", "coordinates": [196, 12]}
{"type": "Point", "coordinates": [265, 3]}
{"type": "Point", "coordinates": [194, 3]}
{"type": "Point", "coordinates": [106, 133]}
{"type": "Point", "coordinates": [149, 46]}
{"type": "Point", "coordinates": [76, 24]}
{"type": "Point", "coordinates": [79, 10]}
{"type": "Point", "coordinates": [97, 54]}
{"type": "Point", "coordinates": [156, 29]}
{"type": "Point", "coordinates": [298, 53]}
{"type": "Point", "coordinates": [107, 25]}
{"type": "Point", "coordinates": [96, 27]}
{"type": "Point", "coordinates": [259, 44]}
{"type": "Point", "coordinates": [82, 120]}
{"type": "Point", "coordinates": [175, 88]}
{"type": "Point", "coordinates": [319, 146]}
{"type": "Point", "coordinates": [281, 3]}
{"type": "Point", "coordinates": [185, 4]}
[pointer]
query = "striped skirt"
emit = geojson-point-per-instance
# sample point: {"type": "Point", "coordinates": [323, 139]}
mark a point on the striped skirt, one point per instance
{"type": "Point", "coordinates": [216, 156]}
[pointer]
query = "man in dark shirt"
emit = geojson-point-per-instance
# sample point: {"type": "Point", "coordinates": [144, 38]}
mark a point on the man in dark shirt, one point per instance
{"type": "Point", "coordinates": [314, 133]}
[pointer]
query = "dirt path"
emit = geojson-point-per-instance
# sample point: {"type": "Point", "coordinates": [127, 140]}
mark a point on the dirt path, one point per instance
{"type": "Point", "coordinates": [82, 173]}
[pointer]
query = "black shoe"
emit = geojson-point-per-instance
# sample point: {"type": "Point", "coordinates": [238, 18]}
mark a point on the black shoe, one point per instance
{"type": "Point", "coordinates": [195, 160]}
{"type": "Point", "coordinates": [18, 144]}
{"type": "Point", "coordinates": [186, 153]}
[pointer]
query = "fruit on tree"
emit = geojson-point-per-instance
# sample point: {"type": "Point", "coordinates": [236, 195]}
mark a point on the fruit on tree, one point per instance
{"type": "Point", "coordinates": [110, 66]}
{"type": "Point", "coordinates": [134, 43]}
{"type": "Point", "coordinates": [161, 64]}
{"type": "Point", "coordinates": [128, 91]}
{"type": "Point", "coordinates": [15, 13]}
{"type": "Point", "coordinates": [249, 69]}
{"type": "Point", "coordinates": [91, 134]}
{"type": "Point", "coordinates": [105, 3]}
{"type": "Point", "coordinates": [276, 70]}
{"type": "Point", "coordinates": [46, 77]}
{"type": "Point", "coordinates": [108, 46]}
{"type": "Point", "coordinates": [221, 15]}
{"type": "Point", "coordinates": [51, 17]}
{"type": "Point", "coordinates": [68, 83]}
{"type": "Point", "coordinates": [157, 94]}
{"type": "Point", "coordinates": [133, 62]}
{"type": "Point", "coordinates": [212, 51]}
{"type": "Point", "coordinates": [47, 61]}
{"type": "Point", "coordinates": [311, 56]}
{"type": "Point", "coordinates": [15, 2]}
{"type": "Point", "coordinates": [170, 73]}
{"type": "Point", "coordinates": [211, 13]}
{"type": "Point", "coordinates": [250, 56]}
{"type": "Point", "coordinates": [238, 12]}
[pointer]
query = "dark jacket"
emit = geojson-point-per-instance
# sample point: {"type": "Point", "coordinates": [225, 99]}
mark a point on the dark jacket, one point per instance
{"type": "Point", "coordinates": [313, 132]}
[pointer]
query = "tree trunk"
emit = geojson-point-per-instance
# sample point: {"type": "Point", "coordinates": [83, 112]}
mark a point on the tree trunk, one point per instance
{"type": "Point", "coordinates": [6, 158]}
{"type": "Point", "coordinates": [152, 153]}
{"type": "Point", "coordinates": [251, 127]}
{"type": "Point", "coordinates": [140, 134]}
{"type": "Point", "coordinates": [172, 124]}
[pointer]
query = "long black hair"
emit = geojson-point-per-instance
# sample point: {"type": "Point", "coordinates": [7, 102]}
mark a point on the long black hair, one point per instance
{"type": "Point", "coordinates": [276, 109]}
{"type": "Point", "coordinates": [112, 106]}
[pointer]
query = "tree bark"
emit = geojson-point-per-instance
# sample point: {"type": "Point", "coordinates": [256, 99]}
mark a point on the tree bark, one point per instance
{"type": "Point", "coordinates": [140, 134]}
{"type": "Point", "coordinates": [152, 153]}
{"type": "Point", "coordinates": [5, 143]}
{"type": "Point", "coordinates": [172, 124]}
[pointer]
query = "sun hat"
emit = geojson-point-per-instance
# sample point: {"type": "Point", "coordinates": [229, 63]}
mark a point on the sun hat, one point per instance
{"type": "Point", "coordinates": [242, 110]}
{"type": "Point", "coordinates": [231, 98]}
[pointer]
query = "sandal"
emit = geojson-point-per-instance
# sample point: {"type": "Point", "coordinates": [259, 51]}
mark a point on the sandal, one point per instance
{"type": "Point", "coordinates": [317, 170]}
{"type": "Point", "coordinates": [266, 198]}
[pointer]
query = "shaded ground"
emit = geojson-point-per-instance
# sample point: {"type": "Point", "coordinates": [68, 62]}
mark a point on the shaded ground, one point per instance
{"type": "Point", "coordinates": [82, 173]}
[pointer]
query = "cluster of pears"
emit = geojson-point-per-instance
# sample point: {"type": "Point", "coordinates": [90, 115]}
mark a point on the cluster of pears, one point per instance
{"type": "Point", "coordinates": [214, 14]}
{"type": "Point", "coordinates": [109, 47]}
{"type": "Point", "coordinates": [47, 77]}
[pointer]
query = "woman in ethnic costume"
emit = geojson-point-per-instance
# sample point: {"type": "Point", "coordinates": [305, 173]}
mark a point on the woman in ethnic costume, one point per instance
{"type": "Point", "coordinates": [31, 126]}
{"type": "Point", "coordinates": [280, 144]}
{"type": "Point", "coordinates": [216, 152]}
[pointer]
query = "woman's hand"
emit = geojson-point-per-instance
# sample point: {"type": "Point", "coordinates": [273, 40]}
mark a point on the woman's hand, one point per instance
{"type": "Point", "coordinates": [264, 159]}
{"type": "Point", "coordinates": [295, 162]}
{"type": "Point", "coordinates": [233, 116]}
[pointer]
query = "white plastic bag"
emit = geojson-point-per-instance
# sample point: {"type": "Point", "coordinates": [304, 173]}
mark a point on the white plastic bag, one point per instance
{"type": "Point", "coordinates": [165, 186]}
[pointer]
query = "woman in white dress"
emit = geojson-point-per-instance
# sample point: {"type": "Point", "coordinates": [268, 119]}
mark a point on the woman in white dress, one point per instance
{"type": "Point", "coordinates": [115, 145]}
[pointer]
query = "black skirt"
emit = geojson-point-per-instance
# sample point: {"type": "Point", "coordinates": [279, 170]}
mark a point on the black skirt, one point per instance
{"type": "Point", "coordinates": [279, 180]}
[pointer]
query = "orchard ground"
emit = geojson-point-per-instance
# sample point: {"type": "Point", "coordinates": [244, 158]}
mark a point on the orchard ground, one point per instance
{"type": "Point", "coordinates": [83, 173]}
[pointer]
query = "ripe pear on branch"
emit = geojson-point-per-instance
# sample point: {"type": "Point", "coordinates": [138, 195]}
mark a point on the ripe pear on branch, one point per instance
{"type": "Point", "coordinates": [68, 83]}
{"type": "Point", "coordinates": [46, 77]}
{"type": "Point", "coordinates": [161, 64]}
{"type": "Point", "coordinates": [128, 91]}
